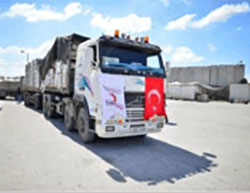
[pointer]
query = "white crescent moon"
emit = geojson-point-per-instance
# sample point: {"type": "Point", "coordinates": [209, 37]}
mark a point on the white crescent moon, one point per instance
{"type": "Point", "coordinates": [155, 92]}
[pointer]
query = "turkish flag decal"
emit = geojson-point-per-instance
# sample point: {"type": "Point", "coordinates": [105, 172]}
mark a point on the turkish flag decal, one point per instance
{"type": "Point", "coordinates": [154, 98]}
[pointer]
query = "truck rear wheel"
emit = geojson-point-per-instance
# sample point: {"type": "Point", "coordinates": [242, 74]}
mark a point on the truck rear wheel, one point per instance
{"type": "Point", "coordinates": [50, 110]}
{"type": "Point", "coordinates": [68, 120]}
{"type": "Point", "coordinates": [27, 103]}
{"type": "Point", "coordinates": [26, 100]}
{"type": "Point", "coordinates": [83, 126]}
{"type": "Point", "coordinates": [37, 102]}
{"type": "Point", "coordinates": [44, 106]}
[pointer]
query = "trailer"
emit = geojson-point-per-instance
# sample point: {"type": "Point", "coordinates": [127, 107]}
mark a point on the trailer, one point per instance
{"type": "Point", "coordinates": [10, 86]}
{"type": "Point", "coordinates": [32, 94]}
{"type": "Point", "coordinates": [102, 87]}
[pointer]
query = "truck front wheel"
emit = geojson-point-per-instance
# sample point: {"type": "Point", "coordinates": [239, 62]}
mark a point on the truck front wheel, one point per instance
{"type": "Point", "coordinates": [83, 126]}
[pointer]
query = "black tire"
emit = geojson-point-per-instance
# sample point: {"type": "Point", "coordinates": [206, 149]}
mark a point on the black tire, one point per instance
{"type": "Point", "coordinates": [44, 106]}
{"type": "Point", "coordinates": [26, 100]}
{"type": "Point", "coordinates": [25, 103]}
{"type": "Point", "coordinates": [50, 110]}
{"type": "Point", "coordinates": [68, 120]}
{"type": "Point", "coordinates": [83, 126]}
{"type": "Point", "coordinates": [37, 102]}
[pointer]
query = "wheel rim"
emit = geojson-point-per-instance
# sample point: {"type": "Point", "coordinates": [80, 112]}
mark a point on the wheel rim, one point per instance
{"type": "Point", "coordinates": [82, 123]}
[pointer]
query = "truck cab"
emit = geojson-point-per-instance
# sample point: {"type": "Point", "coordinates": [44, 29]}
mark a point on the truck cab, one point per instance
{"type": "Point", "coordinates": [120, 60]}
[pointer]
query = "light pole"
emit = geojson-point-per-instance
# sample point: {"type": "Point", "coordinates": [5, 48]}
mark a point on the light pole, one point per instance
{"type": "Point", "coordinates": [23, 52]}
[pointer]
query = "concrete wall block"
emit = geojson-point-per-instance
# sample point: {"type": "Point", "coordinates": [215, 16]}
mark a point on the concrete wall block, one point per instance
{"type": "Point", "coordinates": [213, 79]}
{"type": "Point", "coordinates": [221, 75]}
{"type": "Point", "coordinates": [239, 92]}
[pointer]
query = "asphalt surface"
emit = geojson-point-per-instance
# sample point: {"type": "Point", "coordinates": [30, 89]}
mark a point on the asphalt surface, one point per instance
{"type": "Point", "coordinates": [205, 147]}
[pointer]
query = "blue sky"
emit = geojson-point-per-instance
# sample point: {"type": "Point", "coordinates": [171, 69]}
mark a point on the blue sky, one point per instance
{"type": "Point", "coordinates": [190, 32]}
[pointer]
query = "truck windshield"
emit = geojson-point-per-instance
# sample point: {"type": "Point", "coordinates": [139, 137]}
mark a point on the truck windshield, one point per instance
{"type": "Point", "coordinates": [125, 61]}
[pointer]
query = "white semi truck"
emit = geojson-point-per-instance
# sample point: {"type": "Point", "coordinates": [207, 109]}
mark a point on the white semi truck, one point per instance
{"type": "Point", "coordinates": [72, 74]}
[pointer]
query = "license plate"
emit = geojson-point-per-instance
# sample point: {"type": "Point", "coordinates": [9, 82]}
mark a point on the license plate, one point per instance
{"type": "Point", "coordinates": [138, 128]}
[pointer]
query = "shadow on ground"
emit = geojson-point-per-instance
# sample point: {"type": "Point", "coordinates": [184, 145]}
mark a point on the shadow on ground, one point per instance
{"type": "Point", "coordinates": [144, 159]}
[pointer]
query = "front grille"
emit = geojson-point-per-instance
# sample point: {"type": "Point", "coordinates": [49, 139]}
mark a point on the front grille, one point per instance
{"type": "Point", "coordinates": [133, 99]}
{"type": "Point", "coordinates": [135, 106]}
{"type": "Point", "coordinates": [135, 115]}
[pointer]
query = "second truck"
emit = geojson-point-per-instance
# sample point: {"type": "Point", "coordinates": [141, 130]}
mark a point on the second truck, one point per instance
{"type": "Point", "coordinates": [68, 81]}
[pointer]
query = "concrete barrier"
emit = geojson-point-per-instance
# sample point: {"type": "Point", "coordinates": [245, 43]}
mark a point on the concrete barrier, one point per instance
{"type": "Point", "coordinates": [183, 91]}
{"type": "Point", "coordinates": [239, 93]}
{"type": "Point", "coordinates": [216, 75]}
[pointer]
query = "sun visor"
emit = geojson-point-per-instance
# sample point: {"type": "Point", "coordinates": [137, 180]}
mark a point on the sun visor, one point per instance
{"type": "Point", "coordinates": [148, 48]}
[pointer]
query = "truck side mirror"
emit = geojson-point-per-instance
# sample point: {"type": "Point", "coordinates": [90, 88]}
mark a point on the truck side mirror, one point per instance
{"type": "Point", "coordinates": [167, 68]}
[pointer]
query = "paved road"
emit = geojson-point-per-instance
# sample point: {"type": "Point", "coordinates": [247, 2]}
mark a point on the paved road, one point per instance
{"type": "Point", "coordinates": [205, 147]}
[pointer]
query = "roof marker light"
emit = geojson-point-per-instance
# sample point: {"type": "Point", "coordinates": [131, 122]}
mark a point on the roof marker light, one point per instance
{"type": "Point", "coordinates": [117, 33]}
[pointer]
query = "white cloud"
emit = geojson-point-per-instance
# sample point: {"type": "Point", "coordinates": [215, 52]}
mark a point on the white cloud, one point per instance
{"type": "Point", "coordinates": [211, 47]}
{"type": "Point", "coordinates": [185, 56]}
{"type": "Point", "coordinates": [2, 62]}
{"type": "Point", "coordinates": [33, 14]}
{"type": "Point", "coordinates": [221, 14]}
{"type": "Point", "coordinates": [181, 23]}
{"type": "Point", "coordinates": [129, 24]}
{"type": "Point", "coordinates": [38, 52]}
{"type": "Point", "coordinates": [167, 49]}
{"type": "Point", "coordinates": [13, 62]}
{"type": "Point", "coordinates": [165, 2]}
{"type": "Point", "coordinates": [86, 11]}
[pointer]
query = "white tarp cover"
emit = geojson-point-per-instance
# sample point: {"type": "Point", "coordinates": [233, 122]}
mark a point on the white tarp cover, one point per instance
{"type": "Point", "coordinates": [112, 92]}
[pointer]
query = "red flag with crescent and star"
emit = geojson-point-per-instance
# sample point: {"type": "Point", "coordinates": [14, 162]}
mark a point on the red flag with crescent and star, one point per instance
{"type": "Point", "coordinates": [154, 97]}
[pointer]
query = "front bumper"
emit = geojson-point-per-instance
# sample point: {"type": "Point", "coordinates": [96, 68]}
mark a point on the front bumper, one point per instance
{"type": "Point", "coordinates": [129, 128]}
